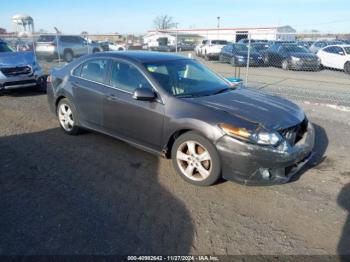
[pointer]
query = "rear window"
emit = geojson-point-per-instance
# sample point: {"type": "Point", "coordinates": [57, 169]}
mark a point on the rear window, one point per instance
{"type": "Point", "coordinates": [46, 38]}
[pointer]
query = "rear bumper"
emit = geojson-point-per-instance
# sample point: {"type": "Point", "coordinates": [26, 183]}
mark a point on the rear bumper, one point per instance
{"type": "Point", "coordinates": [247, 164]}
{"type": "Point", "coordinates": [304, 66]}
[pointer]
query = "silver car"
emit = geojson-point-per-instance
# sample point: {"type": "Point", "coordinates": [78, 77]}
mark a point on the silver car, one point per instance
{"type": "Point", "coordinates": [65, 47]}
{"type": "Point", "coordinates": [19, 69]}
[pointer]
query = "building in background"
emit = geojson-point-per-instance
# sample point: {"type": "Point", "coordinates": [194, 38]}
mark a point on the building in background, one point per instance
{"type": "Point", "coordinates": [285, 33]}
{"type": "Point", "coordinates": [23, 24]}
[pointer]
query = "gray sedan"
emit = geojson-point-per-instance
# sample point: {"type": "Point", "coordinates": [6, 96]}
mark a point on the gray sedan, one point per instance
{"type": "Point", "coordinates": [174, 106]}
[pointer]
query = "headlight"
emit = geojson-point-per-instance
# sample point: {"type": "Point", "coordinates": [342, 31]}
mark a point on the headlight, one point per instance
{"type": "Point", "coordinates": [240, 57]}
{"type": "Point", "coordinates": [260, 137]}
{"type": "Point", "coordinates": [295, 59]}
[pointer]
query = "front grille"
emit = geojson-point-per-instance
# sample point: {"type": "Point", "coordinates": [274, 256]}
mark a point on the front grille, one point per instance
{"type": "Point", "coordinates": [295, 133]}
{"type": "Point", "coordinates": [15, 71]}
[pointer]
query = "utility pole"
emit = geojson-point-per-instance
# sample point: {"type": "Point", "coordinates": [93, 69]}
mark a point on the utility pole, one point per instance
{"type": "Point", "coordinates": [218, 25]}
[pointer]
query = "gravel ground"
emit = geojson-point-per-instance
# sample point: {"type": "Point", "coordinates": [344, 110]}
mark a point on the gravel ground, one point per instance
{"type": "Point", "coordinates": [92, 194]}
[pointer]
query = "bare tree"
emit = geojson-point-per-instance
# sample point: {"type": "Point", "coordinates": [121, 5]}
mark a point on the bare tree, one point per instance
{"type": "Point", "coordinates": [164, 22]}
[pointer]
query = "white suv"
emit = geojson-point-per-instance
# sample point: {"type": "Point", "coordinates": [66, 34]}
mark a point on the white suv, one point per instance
{"type": "Point", "coordinates": [336, 56]}
{"type": "Point", "coordinates": [212, 48]}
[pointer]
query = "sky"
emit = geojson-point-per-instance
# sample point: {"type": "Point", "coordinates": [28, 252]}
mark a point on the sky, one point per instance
{"type": "Point", "coordinates": [132, 16]}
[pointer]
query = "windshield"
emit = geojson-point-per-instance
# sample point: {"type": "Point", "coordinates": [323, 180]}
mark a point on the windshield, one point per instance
{"type": "Point", "coordinates": [347, 50]}
{"type": "Point", "coordinates": [219, 42]}
{"type": "Point", "coordinates": [186, 78]}
{"type": "Point", "coordinates": [295, 49]}
{"type": "Point", "coordinates": [240, 48]}
{"type": "Point", "coordinates": [260, 47]}
{"type": "Point", "coordinates": [4, 47]}
{"type": "Point", "coordinates": [46, 38]}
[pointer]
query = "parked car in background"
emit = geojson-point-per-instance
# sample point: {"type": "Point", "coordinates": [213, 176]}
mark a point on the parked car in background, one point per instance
{"type": "Point", "coordinates": [321, 44]}
{"type": "Point", "coordinates": [198, 48]}
{"type": "Point", "coordinates": [187, 113]}
{"type": "Point", "coordinates": [66, 47]}
{"type": "Point", "coordinates": [336, 56]}
{"type": "Point", "coordinates": [211, 49]}
{"type": "Point", "coordinates": [115, 47]}
{"type": "Point", "coordinates": [237, 55]}
{"type": "Point", "coordinates": [183, 46]}
{"type": "Point", "coordinates": [291, 56]}
{"type": "Point", "coordinates": [246, 41]}
{"type": "Point", "coordinates": [19, 69]}
{"type": "Point", "coordinates": [163, 48]}
{"type": "Point", "coordinates": [306, 44]}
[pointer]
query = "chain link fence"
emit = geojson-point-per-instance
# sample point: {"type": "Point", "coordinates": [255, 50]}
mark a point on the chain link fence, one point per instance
{"type": "Point", "coordinates": [308, 67]}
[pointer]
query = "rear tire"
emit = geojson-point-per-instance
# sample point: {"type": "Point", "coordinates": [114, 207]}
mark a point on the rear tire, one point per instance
{"type": "Point", "coordinates": [347, 67]}
{"type": "Point", "coordinates": [206, 57]}
{"type": "Point", "coordinates": [68, 117]}
{"type": "Point", "coordinates": [196, 159]}
{"type": "Point", "coordinates": [68, 56]}
{"type": "Point", "coordinates": [42, 84]}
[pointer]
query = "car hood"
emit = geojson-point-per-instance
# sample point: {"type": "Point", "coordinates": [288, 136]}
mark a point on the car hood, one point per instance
{"type": "Point", "coordinates": [16, 59]}
{"type": "Point", "coordinates": [269, 111]}
{"type": "Point", "coordinates": [302, 55]}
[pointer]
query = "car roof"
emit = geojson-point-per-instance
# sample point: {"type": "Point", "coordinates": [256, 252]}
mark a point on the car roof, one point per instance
{"type": "Point", "coordinates": [339, 45]}
{"type": "Point", "coordinates": [142, 56]}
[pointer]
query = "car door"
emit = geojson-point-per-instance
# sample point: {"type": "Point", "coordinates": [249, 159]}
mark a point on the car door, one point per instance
{"type": "Point", "coordinates": [88, 88]}
{"type": "Point", "coordinates": [332, 56]}
{"type": "Point", "coordinates": [126, 117]}
{"type": "Point", "coordinates": [339, 57]}
{"type": "Point", "coordinates": [81, 45]}
{"type": "Point", "coordinates": [325, 55]}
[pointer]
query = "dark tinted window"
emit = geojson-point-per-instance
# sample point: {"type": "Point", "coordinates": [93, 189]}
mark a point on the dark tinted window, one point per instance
{"type": "Point", "coordinates": [294, 49]}
{"type": "Point", "coordinates": [127, 77]}
{"type": "Point", "coordinates": [77, 71]}
{"type": "Point", "coordinates": [4, 47]}
{"type": "Point", "coordinates": [46, 38]}
{"type": "Point", "coordinates": [240, 48]}
{"type": "Point", "coordinates": [333, 49]}
{"type": "Point", "coordinates": [94, 70]}
{"type": "Point", "coordinates": [219, 42]}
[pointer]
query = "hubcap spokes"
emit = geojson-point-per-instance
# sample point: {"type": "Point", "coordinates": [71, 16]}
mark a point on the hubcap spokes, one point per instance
{"type": "Point", "coordinates": [65, 116]}
{"type": "Point", "coordinates": [194, 160]}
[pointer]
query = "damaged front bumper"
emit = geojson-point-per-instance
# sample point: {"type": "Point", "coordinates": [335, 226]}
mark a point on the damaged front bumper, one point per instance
{"type": "Point", "coordinates": [21, 81]}
{"type": "Point", "coordinates": [257, 165]}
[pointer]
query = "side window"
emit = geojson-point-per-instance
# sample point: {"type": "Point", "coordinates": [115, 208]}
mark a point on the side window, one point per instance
{"type": "Point", "coordinates": [127, 77]}
{"type": "Point", "coordinates": [77, 71]}
{"type": "Point", "coordinates": [94, 70]}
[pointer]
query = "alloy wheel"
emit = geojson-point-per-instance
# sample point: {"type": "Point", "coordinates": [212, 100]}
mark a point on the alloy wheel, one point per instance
{"type": "Point", "coordinates": [194, 160]}
{"type": "Point", "coordinates": [65, 116]}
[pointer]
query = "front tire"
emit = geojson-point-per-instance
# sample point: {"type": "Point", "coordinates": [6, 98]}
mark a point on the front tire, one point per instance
{"type": "Point", "coordinates": [285, 64]}
{"type": "Point", "coordinates": [68, 117]}
{"type": "Point", "coordinates": [196, 159]}
{"type": "Point", "coordinates": [347, 67]}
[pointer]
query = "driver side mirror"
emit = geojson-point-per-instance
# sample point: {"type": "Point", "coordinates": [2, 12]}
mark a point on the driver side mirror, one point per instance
{"type": "Point", "coordinates": [144, 94]}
